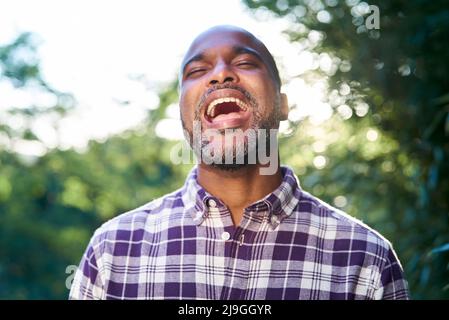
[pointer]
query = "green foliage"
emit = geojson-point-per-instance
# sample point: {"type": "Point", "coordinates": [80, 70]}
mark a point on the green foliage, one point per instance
{"type": "Point", "coordinates": [50, 206]}
{"type": "Point", "coordinates": [398, 183]}
{"type": "Point", "coordinates": [19, 66]}
{"type": "Point", "coordinates": [49, 213]}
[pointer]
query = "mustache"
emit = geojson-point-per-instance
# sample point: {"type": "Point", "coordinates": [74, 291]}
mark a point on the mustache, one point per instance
{"type": "Point", "coordinates": [227, 85]}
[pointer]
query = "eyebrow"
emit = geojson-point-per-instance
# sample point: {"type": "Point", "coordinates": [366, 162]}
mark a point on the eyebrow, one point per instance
{"type": "Point", "coordinates": [246, 50]}
{"type": "Point", "coordinates": [197, 57]}
{"type": "Point", "coordinates": [237, 50]}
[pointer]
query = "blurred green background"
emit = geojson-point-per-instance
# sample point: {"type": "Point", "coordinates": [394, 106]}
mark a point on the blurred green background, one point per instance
{"type": "Point", "coordinates": [383, 155]}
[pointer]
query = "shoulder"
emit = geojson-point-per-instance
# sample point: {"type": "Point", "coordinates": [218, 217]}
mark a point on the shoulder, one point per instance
{"type": "Point", "coordinates": [346, 231]}
{"type": "Point", "coordinates": [139, 219]}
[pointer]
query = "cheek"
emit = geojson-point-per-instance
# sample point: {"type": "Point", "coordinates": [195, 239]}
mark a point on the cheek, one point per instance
{"type": "Point", "coordinates": [186, 118]}
{"type": "Point", "coordinates": [260, 85]}
{"type": "Point", "coordinates": [184, 115]}
{"type": "Point", "coordinates": [266, 97]}
{"type": "Point", "coordinates": [187, 107]}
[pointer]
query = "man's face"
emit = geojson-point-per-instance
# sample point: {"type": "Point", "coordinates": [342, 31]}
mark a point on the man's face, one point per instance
{"type": "Point", "coordinates": [226, 84]}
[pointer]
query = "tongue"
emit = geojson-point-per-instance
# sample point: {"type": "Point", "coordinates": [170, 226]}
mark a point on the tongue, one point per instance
{"type": "Point", "coordinates": [226, 116]}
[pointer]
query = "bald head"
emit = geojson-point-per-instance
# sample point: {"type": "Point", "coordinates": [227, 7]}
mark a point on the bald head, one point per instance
{"type": "Point", "coordinates": [219, 35]}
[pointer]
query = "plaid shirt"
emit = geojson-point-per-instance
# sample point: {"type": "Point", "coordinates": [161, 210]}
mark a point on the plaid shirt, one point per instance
{"type": "Point", "coordinates": [289, 245]}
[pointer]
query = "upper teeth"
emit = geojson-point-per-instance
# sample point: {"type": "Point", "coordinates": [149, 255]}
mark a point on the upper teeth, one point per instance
{"type": "Point", "coordinates": [211, 108]}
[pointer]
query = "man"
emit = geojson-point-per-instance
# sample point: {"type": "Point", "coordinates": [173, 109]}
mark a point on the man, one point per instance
{"type": "Point", "coordinates": [235, 231]}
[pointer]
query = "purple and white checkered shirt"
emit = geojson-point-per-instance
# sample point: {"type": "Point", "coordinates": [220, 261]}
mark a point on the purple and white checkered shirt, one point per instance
{"type": "Point", "coordinates": [289, 245]}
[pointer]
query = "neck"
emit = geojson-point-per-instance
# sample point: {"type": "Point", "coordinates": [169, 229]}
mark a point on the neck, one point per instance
{"type": "Point", "coordinates": [239, 188]}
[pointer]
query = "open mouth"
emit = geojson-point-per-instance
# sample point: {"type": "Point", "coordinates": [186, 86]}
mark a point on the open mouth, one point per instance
{"type": "Point", "coordinates": [225, 108]}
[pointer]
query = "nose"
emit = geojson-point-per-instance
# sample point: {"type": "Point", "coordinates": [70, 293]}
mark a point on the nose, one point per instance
{"type": "Point", "coordinates": [222, 73]}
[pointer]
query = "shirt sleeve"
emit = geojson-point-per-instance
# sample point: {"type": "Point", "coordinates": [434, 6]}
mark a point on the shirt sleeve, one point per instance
{"type": "Point", "coordinates": [393, 285]}
{"type": "Point", "coordinates": [87, 283]}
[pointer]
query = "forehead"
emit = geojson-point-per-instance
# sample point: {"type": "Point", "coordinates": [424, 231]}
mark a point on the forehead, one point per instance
{"type": "Point", "coordinates": [217, 40]}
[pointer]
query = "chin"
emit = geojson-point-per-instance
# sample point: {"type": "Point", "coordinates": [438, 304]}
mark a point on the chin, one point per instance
{"type": "Point", "coordinates": [229, 167]}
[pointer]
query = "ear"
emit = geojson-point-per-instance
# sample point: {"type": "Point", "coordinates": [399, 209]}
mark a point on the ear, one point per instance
{"type": "Point", "coordinates": [284, 107]}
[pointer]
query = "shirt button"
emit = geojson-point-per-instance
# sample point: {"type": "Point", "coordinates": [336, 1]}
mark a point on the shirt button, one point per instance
{"type": "Point", "coordinates": [212, 203]}
{"type": "Point", "coordinates": [274, 219]}
{"type": "Point", "coordinates": [225, 236]}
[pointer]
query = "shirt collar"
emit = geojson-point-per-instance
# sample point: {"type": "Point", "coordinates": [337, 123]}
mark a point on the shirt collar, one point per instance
{"type": "Point", "coordinates": [278, 205]}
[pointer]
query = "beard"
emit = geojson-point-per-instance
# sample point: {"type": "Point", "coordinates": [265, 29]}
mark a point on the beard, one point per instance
{"type": "Point", "coordinates": [243, 149]}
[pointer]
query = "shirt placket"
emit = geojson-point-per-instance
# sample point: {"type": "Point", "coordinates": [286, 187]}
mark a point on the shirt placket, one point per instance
{"type": "Point", "coordinates": [237, 257]}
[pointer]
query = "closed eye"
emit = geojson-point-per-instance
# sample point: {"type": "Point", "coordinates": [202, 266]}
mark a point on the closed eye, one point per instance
{"type": "Point", "coordinates": [246, 64]}
{"type": "Point", "coordinates": [195, 72]}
